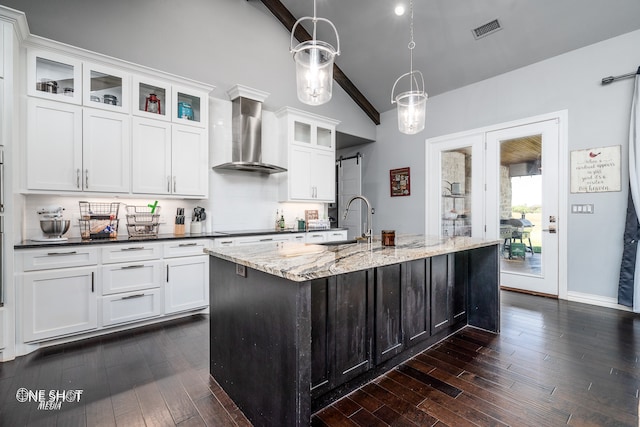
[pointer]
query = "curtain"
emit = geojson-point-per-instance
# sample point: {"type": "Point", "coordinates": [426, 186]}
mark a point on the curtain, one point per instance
{"type": "Point", "coordinates": [628, 291]}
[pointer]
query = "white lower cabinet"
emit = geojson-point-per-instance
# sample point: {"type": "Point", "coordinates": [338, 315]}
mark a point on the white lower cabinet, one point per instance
{"type": "Point", "coordinates": [187, 283]}
{"type": "Point", "coordinates": [58, 302]}
{"type": "Point", "coordinates": [130, 306]}
{"type": "Point", "coordinates": [2, 323]}
{"type": "Point", "coordinates": [73, 290]}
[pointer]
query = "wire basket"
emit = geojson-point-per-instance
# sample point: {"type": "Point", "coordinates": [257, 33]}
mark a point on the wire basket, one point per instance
{"type": "Point", "coordinates": [92, 229]}
{"type": "Point", "coordinates": [143, 221]}
{"type": "Point", "coordinates": [99, 211]}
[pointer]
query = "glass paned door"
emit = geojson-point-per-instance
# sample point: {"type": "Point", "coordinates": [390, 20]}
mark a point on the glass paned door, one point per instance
{"type": "Point", "coordinates": [522, 206]}
{"type": "Point", "coordinates": [455, 181]}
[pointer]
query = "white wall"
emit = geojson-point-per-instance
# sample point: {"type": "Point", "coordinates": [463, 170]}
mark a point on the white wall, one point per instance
{"type": "Point", "coordinates": [219, 42]}
{"type": "Point", "coordinates": [598, 116]}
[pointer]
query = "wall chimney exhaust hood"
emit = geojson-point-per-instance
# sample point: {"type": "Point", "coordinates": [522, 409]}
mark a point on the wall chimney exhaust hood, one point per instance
{"type": "Point", "coordinates": [246, 126]}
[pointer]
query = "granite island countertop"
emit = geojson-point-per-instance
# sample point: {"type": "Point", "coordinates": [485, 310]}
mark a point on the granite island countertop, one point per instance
{"type": "Point", "coordinates": [300, 262]}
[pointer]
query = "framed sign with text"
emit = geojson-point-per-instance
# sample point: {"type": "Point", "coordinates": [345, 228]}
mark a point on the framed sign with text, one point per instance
{"type": "Point", "coordinates": [399, 180]}
{"type": "Point", "coordinates": [595, 170]}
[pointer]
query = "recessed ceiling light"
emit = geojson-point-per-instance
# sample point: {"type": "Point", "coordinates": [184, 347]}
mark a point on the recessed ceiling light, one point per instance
{"type": "Point", "coordinates": [399, 10]}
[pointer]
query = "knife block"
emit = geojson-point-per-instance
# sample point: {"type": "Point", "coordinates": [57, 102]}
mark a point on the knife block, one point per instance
{"type": "Point", "coordinates": [178, 229]}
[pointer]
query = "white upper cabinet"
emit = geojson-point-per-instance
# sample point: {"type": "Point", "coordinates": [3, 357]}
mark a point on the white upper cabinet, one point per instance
{"type": "Point", "coordinates": [54, 146]}
{"type": "Point", "coordinates": [309, 156]}
{"type": "Point", "coordinates": [54, 76]}
{"type": "Point", "coordinates": [106, 151]}
{"type": "Point", "coordinates": [1, 67]}
{"type": "Point", "coordinates": [132, 131]}
{"type": "Point", "coordinates": [189, 148]}
{"type": "Point", "coordinates": [151, 98]}
{"type": "Point", "coordinates": [169, 159]}
{"type": "Point", "coordinates": [72, 150]}
{"type": "Point", "coordinates": [106, 88]}
{"type": "Point", "coordinates": [151, 166]}
{"type": "Point", "coordinates": [190, 107]}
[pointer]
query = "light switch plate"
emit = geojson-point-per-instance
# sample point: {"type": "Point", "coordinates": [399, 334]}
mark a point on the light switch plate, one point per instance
{"type": "Point", "coordinates": [582, 209]}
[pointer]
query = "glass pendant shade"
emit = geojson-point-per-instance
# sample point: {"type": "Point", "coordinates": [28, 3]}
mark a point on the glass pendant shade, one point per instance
{"type": "Point", "coordinates": [314, 63]}
{"type": "Point", "coordinates": [411, 111]}
{"type": "Point", "coordinates": [412, 104]}
{"type": "Point", "coordinates": [314, 71]}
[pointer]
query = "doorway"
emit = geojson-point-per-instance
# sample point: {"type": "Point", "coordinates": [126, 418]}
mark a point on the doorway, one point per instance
{"type": "Point", "coordinates": [505, 182]}
{"type": "Point", "coordinates": [349, 184]}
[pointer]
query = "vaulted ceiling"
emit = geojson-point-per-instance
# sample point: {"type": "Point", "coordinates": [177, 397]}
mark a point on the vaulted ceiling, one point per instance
{"type": "Point", "coordinates": [373, 40]}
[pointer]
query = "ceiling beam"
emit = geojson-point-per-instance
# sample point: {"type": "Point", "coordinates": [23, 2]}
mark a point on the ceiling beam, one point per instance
{"type": "Point", "coordinates": [288, 20]}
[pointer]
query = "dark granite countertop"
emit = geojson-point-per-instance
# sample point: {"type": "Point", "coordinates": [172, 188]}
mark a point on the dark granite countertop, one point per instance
{"type": "Point", "coordinates": [77, 241]}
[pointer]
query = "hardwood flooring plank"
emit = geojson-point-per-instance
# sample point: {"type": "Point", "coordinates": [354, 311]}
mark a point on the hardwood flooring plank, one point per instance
{"type": "Point", "coordinates": [554, 363]}
{"type": "Point", "coordinates": [212, 412]}
{"type": "Point", "coordinates": [445, 399]}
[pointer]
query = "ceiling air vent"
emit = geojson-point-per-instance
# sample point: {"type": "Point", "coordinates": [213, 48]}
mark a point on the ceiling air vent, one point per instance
{"type": "Point", "coordinates": [486, 29]}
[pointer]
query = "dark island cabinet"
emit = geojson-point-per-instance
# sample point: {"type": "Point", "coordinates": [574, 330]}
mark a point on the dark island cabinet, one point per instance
{"type": "Point", "coordinates": [390, 283]}
{"type": "Point", "coordinates": [417, 318]}
{"type": "Point", "coordinates": [361, 320]}
{"type": "Point", "coordinates": [341, 329]}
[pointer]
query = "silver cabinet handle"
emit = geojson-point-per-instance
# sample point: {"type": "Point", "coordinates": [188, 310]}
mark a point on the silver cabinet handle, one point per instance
{"type": "Point", "coordinates": [129, 267]}
{"type": "Point", "coordinates": [266, 240]}
{"type": "Point", "coordinates": [61, 253]}
{"type": "Point", "coordinates": [184, 245]}
{"type": "Point", "coordinates": [168, 184]}
{"type": "Point", "coordinates": [167, 274]}
{"type": "Point", "coordinates": [92, 282]}
{"type": "Point", "coordinates": [174, 184]}
{"type": "Point", "coordinates": [1, 187]}
{"type": "Point", "coordinates": [134, 248]}
{"type": "Point", "coordinates": [228, 242]}
{"type": "Point", "coordinates": [78, 178]}
{"type": "Point", "coordinates": [133, 296]}
{"type": "Point", "coordinates": [86, 178]}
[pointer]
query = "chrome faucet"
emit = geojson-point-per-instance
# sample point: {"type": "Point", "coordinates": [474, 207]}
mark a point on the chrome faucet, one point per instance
{"type": "Point", "coordinates": [369, 233]}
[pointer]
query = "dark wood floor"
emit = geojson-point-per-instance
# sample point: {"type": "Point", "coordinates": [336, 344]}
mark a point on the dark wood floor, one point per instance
{"type": "Point", "coordinates": [554, 363]}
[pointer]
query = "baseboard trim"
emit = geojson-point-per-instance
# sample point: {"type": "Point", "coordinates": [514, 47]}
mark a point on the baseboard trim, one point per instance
{"type": "Point", "coordinates": [596, 300]}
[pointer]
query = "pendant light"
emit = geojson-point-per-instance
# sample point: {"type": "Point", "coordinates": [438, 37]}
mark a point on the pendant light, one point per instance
{"type": "Point", "coordinates": [412, 103]}
{"type": "Point", "coordinates": [314, 64]}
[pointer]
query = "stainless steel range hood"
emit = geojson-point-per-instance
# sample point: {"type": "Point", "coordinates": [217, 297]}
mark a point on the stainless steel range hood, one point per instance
{"type": "Point", "coordinates": [246, 141]}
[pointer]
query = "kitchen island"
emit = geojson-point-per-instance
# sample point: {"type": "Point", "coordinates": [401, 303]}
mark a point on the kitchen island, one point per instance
{"type": "Point", "coordinates": [295, 327]}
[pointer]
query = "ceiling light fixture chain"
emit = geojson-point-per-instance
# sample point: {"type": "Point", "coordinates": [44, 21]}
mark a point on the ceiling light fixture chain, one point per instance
{"type": "Point", "coordinates": [314, 63]}
{"type": "Point", "coordinates": [411, 104]}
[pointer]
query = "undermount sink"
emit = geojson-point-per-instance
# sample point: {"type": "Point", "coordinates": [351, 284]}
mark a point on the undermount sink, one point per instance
{"type": "Point", "coordinates": [341, 242]}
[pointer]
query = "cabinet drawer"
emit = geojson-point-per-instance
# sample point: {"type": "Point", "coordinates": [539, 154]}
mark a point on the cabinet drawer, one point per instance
{"type": "Point", "coordinates": [335, 236]}
{"type": "Point", "coordinates": [299, 237]}
{"type": "Point", "coordinates": [131, 277]}
{"type": "Point", "coordinates": [44, 259]}
{"type": "Point", "coordinates": [316, 237]}
{"type": "Point", "coordinates": [131, 252]}
{"type": "Point", "coordinates": [185, 248]}
{"type": "Point", "coordinates": [131, 306]}
{"type": "Point", "coordinates": [221, 243]}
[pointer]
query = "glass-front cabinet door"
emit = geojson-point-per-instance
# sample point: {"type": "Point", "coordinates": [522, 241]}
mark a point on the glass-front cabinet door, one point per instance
{"type": "Point", "coordinates": [324, 137]}
{"type": "Point", "coordinates": [189, 107]}
{"type": "Point", "coordinates": [151, 98]}
{"type": "Point", "coordinates": [54, 76]}
{"type": "Point", "coordinates": [106, 88]}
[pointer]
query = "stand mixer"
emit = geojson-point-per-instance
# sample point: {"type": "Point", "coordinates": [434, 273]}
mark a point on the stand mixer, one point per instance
{"type": "Point", "coordinates": [52, 224]}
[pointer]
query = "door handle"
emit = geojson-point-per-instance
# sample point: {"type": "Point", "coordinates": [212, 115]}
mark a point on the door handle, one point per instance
{"type": "Point", "coordinates": [551, 230]}
{"type": "Point", "coordinates": [86, 179]}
